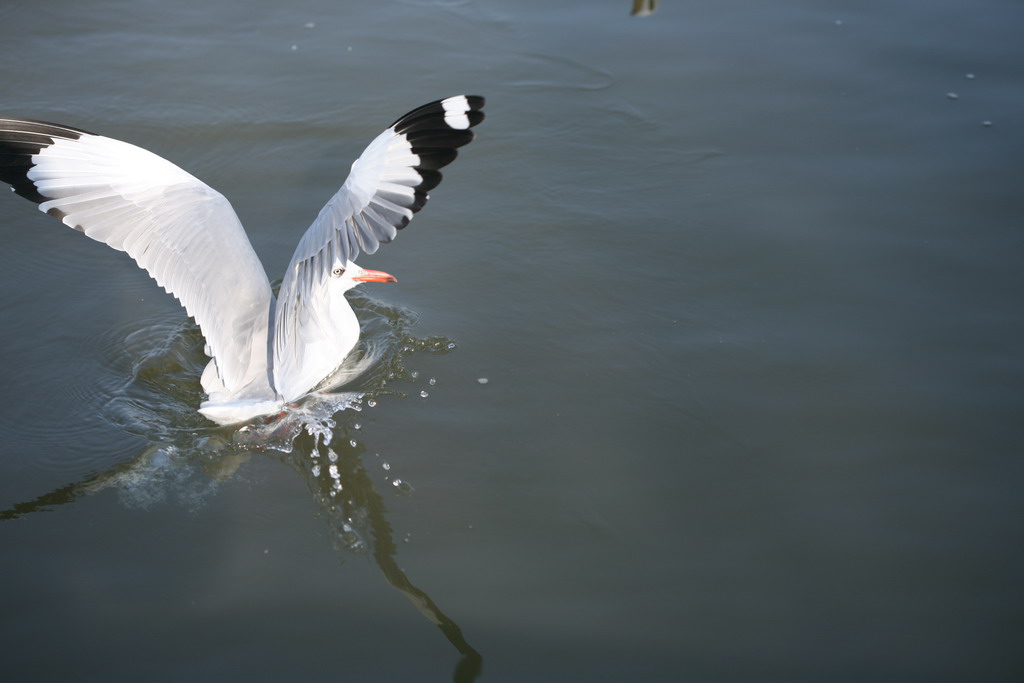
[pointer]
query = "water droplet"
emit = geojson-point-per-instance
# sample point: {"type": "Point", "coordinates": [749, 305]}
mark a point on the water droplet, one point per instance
{"type": "Point", "coordinates": [451, 345]}
{"type": "Point", "coordinates": [315, 470]}
{"type": "Point", "coordinates": [414, 374]}
{"type": "Point", "coordinates": [402, 486]}
{"type": "Point", "coordinates": [386, 465]}
{"type": "Point", "coordinates": [333, 471]}
{"type": "Point", "coordinates": [432, 381]}
{"type": "Point", "coordinates": [970, 77]}
{"type": "Point", "coordinates": [483, 380]}
{"type": "Point", "coordinates": [424, 394]}
{"type": "Point", "coordinates": [353, 443]}
{"type": "Point", "coordinates": [357, 426]}
{"type": "Point", "coordinates": [371, 403]}
{"type": "Point", "coordinates": [294, 48]}
{"type": "Point", "coordinates": [987, 124]}
{"type": "Point", "coordinates": [332, 456]}
{"type": "Point", "coordinates": [952, 96]}
{"type": "Point", "coordinates": [310, 24]}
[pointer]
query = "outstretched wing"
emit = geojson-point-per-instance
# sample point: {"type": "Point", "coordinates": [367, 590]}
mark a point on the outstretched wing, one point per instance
{"type": "Point", "coordinates": [388, 183]}
{"type": "Point", "coordinates": [185, 234]}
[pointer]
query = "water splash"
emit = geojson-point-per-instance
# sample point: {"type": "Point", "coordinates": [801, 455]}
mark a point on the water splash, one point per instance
{"type": "Point", "coordinates": [314, 415]}
{"type": "Point", "coordinates": [163, 475]}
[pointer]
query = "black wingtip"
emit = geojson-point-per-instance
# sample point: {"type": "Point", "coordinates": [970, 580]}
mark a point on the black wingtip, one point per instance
{"type": "Point", "coordinates": [435, 131]}
{"type": "Point", "coordinates": [20, 140]}
{"type": "Point", "coordinates": [442, 114]}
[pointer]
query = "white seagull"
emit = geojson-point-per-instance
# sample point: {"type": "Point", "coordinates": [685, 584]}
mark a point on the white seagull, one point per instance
{"type": "Point", "coordinates": [187, 237]}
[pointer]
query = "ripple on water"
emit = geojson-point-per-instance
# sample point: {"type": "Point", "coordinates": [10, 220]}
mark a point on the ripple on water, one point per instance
{"type": "Point", "coordinates": [146, 383]}
{"type": "Point", "coordinates": [538, 72]}
{"type": "Point", "coordinates": [162, 362]}
{"type": "Point", "coordinates": [63, 383]}
{"type": "Point", "coordinates": [438, 3]}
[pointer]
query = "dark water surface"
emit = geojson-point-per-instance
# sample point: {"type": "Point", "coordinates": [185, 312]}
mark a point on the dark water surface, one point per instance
{"type": "Point", "coordinates": [744, 280]}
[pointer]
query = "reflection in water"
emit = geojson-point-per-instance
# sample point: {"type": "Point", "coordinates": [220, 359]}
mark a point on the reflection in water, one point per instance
{"type": "Point", "coordinates": [355, 509]}
{"type": "Point", "coordinates": [186, 462]}
{"type": "Point", "coordinates": [643, 8]}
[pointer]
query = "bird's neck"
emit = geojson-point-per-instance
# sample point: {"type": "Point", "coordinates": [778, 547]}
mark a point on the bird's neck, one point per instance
{"type": "Point", "coordinates": [344, 324]}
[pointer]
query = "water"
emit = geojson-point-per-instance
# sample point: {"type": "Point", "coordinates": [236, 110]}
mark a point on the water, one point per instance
{"type": "Point", "coordinates": [722, 315]}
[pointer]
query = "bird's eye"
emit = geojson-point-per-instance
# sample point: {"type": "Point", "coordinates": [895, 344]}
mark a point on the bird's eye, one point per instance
{"type": "Point", "coordinates": [337, 272]}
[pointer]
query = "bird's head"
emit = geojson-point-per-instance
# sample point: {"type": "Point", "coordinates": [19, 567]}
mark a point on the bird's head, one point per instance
{"type": "Point", "coordinates": [351, 275]}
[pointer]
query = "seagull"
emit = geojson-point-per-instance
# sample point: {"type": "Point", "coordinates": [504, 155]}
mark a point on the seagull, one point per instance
{"type": "Point", "coordinates": [264, 353]}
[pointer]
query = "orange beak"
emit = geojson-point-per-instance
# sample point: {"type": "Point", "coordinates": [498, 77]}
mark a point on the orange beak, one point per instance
{"type": "Point", "coordinates": [376, 276]}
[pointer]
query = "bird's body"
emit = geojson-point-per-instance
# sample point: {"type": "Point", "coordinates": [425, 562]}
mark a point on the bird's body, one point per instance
{"type": "Point", "coordinates": [264, 352]}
